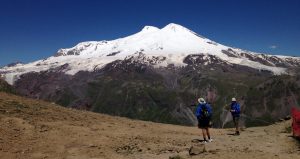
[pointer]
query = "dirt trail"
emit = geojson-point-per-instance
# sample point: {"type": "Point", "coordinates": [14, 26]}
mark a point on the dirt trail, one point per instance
{"type": "Point", "coordinates": [35, 129]}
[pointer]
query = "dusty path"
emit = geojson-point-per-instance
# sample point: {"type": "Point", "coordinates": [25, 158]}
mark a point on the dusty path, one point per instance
{"type": "Point", "coordinates": [36, 129]}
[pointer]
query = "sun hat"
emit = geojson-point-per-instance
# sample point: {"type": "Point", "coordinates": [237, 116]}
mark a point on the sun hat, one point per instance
{"type": "Point", "coordinates": [201, 100]}
{"type": "Point", "coordinates": [233, 99]}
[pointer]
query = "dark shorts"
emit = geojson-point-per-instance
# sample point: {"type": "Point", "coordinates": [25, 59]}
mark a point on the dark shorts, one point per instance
{"type": "Point", "coordinates": [204, 123]}
{"type": "Point", "coordinates": [236, 120]}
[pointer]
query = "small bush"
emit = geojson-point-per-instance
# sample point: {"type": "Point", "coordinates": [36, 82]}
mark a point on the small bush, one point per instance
{"type": "Point", "coordinates": [287, 129]}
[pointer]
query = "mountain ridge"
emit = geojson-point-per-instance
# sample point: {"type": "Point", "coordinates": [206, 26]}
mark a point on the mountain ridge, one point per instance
{"type": "Point", "coordinates": [173, 42]}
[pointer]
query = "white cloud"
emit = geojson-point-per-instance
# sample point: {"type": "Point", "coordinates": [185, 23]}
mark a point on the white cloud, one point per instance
{"type": "Point", "coordinates": [273, 47]}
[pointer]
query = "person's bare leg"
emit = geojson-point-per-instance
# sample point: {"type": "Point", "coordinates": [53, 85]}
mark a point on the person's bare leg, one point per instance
{"type": "Point", "coordinates": [236, 123]}
{"type": "Point", "coordinates": [237, 126]}
{"type": "Point", "coordinates": [208, 133]}
{"type": "Point", "coordinates": [204, 134]}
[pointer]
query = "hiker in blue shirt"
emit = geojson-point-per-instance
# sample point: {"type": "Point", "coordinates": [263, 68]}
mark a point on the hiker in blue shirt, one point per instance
{"type": "Point", "coordinates": [235, 112]}
{"type": "Point", "coordinates": [203, 114]}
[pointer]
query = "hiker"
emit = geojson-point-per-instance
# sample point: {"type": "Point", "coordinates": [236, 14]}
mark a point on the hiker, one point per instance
{"type": "Point", "coordinates": [203, 114]}
{"type": "Point", "coordinates": [235, 112]}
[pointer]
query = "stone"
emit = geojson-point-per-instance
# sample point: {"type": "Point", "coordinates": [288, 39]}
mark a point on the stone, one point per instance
{"type": "Point", "coordinates": [197, 149]}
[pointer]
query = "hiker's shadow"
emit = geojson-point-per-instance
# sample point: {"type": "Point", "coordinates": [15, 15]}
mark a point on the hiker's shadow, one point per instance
{"type": "Point", "coordinates": [197, 141]}
{"type": "Point", "coordinates": [231, 134]}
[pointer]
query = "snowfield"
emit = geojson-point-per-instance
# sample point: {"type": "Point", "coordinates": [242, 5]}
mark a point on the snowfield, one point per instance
{"type": "Point", "coordinates": [174, 42]}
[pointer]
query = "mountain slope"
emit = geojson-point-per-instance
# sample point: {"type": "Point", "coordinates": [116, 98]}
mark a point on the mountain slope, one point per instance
{"type": "Point", "coordinates": [170, 44]}
{"type": "Point", "coordinates": [133, 89]}
{"type": "Point", "coordinates": [158, 75]}
{"type": "Point", "coordinates": [37, 129]}
{"type": "Point", "coordinates": [5, 87]}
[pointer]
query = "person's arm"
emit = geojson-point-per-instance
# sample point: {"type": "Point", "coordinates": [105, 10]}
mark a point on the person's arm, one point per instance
{"type": "Point", "coordinates": [232, 109]}
{"type": "Point", "coordinates": [198, 111]}
{"type": "Point", "coordinates": [238, 108]}
{"type": "Point", "coordinates": [209, 109]}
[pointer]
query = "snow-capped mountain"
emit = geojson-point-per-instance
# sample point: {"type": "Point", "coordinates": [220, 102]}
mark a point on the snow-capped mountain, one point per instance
{"type": "Point", "coordinates": [157, 74]}
{"type": "Point", "coordinates": [169, 45]}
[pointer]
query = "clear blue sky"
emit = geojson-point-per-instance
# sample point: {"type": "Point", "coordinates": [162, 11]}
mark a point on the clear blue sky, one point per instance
{"type": "Point", "coordinates": [35, 29]}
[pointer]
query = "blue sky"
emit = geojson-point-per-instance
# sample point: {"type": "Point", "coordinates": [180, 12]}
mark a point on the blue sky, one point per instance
{"type": "Point", "coordinates": [36, 29]}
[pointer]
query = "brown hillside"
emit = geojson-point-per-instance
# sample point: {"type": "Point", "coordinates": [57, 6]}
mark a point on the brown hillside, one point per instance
{"type": "Point", "coordinates": [35, 129]}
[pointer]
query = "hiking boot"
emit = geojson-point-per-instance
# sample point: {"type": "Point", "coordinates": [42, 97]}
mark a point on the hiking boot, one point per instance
{"type": "Point", "coordinates": [237, 133]}
{"type": "Point", "coordinates": [210, 140]}
{"type": "Point", "coordinates": [204, 141]}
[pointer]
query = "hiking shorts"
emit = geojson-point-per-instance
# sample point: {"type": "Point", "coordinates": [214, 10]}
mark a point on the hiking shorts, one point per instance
{"type": "Point", "coordinates": [236, 120]}
{"type": "Point", "coordinates": [203, 123]}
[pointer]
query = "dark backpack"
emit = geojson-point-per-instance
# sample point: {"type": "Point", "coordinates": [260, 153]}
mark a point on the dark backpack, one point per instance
{"type": "Point", "coordinates": [204, 112]}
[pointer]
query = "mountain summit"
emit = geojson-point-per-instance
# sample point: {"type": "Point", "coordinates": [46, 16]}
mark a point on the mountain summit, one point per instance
{"type": "Point", "coordinates": [171, 44]}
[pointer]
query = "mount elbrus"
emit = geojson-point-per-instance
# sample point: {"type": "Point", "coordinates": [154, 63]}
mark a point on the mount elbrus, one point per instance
{"type": "Point", "coordinates": [157, 74]}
